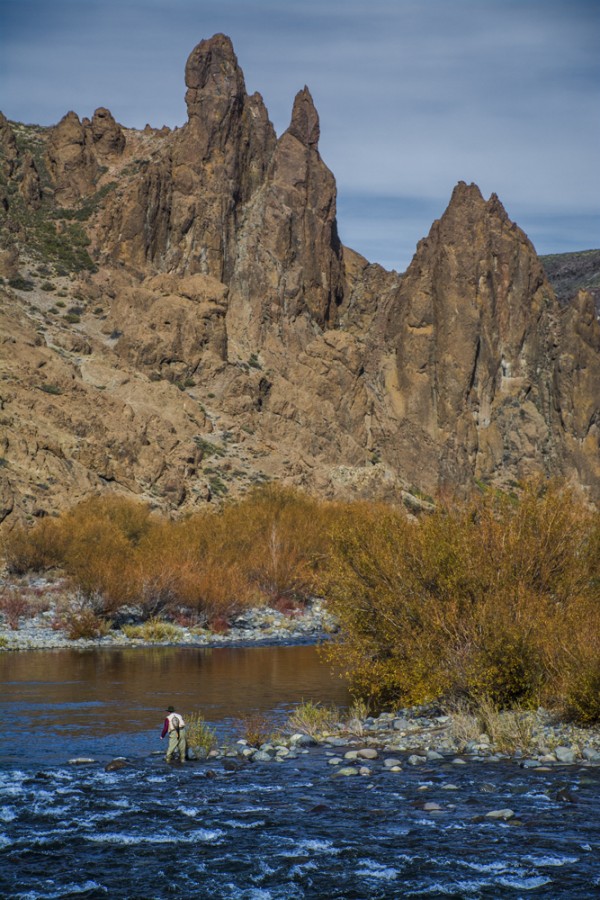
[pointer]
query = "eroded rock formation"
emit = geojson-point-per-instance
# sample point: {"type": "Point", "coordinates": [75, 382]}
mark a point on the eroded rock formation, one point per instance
{"type": "Point", "coordinates": [217, 333]}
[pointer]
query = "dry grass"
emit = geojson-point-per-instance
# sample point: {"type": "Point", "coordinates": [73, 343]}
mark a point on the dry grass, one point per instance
{"type": "Point", "coordinates": [508, 730]}
{"type": "Point", "coordinates": [15, 605]}
{"type": "Point", "coordinates": [313, 719]}
{"type": "Point", "coordinates": [78, 618]}
{"type": "Point", "coordinates": [154, 631]}
{"type": "Point", "coordinates": [256, 728]}
{"type": "Point", "coordinates": [200, 736]}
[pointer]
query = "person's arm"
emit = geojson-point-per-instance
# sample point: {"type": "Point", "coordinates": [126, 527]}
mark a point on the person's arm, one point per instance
{"type": "Point", "coordinates": [165, 728]}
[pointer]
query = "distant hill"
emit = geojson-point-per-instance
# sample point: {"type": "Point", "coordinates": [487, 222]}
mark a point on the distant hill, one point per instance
{"type": "Point", "coordinates": [572, 272]}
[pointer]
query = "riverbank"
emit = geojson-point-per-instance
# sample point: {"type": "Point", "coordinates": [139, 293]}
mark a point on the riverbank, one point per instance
{"type": "Point", "coordinates": [416, 736]}
{"type": "Point", "coordinates": [422, 737]}
{"type": "Point", "coordinates": [42, 625]}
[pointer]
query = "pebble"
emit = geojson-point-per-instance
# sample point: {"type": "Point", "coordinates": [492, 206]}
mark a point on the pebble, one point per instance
{"type": "Point", "coordinates": [262, 756]}
{"type": "Point", "coordinates": [368, 753]}
{"type": "Point", "coordinates": [414, 760]}
{"type": "Point", "coordinates": [502, 814]}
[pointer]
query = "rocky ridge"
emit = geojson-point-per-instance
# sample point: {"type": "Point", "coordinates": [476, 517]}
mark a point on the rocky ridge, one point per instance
{"type": "Point", "coordinates": [180, 321]}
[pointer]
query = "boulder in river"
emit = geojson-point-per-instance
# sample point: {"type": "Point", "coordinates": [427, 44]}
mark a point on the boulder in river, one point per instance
{"type": "Point", "coordinates": [565, 754]}
{"type": "Point", "coordinates": [115, 764]}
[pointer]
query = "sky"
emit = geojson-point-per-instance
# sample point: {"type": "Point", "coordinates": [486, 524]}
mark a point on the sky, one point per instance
{"type": "Point", "coordinates": [413, 96]}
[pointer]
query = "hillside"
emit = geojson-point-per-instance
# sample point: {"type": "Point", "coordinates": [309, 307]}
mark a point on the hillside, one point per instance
{"type": "Point", "coordinates": [180, 321]}
{"type": "Point", "coordinates": [569, 273]}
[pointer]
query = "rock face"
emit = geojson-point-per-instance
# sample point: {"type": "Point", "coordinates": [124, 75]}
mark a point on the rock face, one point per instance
{"type": "Point", "coordinates": [217, 333]}
{"type": "Point", "coordinates": [71, 161]}
{"type": "Point", "coordinates": [472, 332]}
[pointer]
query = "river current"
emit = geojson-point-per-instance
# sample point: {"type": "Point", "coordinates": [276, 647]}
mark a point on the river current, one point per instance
{"type": "Point", "coordinates": [292, 829]}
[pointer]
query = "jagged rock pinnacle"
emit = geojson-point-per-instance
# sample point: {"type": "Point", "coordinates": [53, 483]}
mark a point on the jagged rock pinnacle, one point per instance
{"type": "Point", "coordinates": [212, 70]}
{"type": "Point", "coordinates": [305, 119]}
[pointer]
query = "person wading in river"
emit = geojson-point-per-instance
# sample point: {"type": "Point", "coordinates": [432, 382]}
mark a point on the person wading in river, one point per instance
{"type": "Point", "coordinates": [174, 726]}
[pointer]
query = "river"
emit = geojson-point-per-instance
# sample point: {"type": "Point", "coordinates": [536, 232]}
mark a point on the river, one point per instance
{"type": "Point", "coordinates": [262, 830]}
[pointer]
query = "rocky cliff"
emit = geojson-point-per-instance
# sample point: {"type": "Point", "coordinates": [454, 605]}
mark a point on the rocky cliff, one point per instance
{"type": "Point", "coordinates": [180, 321]}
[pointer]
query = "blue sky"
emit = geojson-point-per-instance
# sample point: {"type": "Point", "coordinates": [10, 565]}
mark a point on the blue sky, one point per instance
{"type": "Point", "coordinates": [413, 95]}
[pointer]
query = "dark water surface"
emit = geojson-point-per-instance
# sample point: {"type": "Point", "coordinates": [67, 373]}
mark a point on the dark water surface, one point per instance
{"type": "Point", "coordinates": [108, 703]}
{"type": "Point", "coordinates": [261, 830]}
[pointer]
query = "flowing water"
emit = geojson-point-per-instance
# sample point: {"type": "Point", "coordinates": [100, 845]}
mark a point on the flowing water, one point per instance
{"type": "Point", "coordinates": [261, 830]}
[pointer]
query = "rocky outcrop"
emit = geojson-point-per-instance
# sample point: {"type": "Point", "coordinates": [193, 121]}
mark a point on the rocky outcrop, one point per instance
{"type": "Point", "coordinates": [228, 337]}
{"type": "Point", "coordinates": [575, 389]}
{"type": "Point", "coordinates": [569, 273]}
{"type": "Point", "coordinates": [471, 335]}
{"type": "Point", "coordinates": [8, 148]}
{"type": "Point", "coordinates": [30, 187]}
{"type": "Point", "coordinates": [289, 257]}
{"type": "Point", "coordinates": [71, 161]}
{"type": "Point", "coordinates": [108, 139]}
{"type": "Point", "coordinates": [16, 167]}
{"type": "Point", "coordinates": [182, 213]}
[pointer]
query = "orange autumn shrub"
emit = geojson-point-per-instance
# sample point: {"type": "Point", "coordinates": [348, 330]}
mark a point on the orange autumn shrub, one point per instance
{"type": "Point", "coordinates": [33, 548]}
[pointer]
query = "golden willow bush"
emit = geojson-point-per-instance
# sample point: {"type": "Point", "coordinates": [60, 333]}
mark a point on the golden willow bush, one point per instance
{"type": "Point", "coordinates": [495, 598]}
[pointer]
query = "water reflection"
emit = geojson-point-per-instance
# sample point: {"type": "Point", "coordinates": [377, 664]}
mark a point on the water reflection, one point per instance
{"type": "Point", "coordinates": [114, 700]}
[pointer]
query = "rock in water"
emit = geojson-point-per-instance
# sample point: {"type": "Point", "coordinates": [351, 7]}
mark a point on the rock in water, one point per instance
{"type": "Point", "coordinates": [115, 764]}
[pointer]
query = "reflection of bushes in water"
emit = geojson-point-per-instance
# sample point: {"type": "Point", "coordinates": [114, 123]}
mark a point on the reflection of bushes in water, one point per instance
{"type": "Point", "coordinates": [496, 598]}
